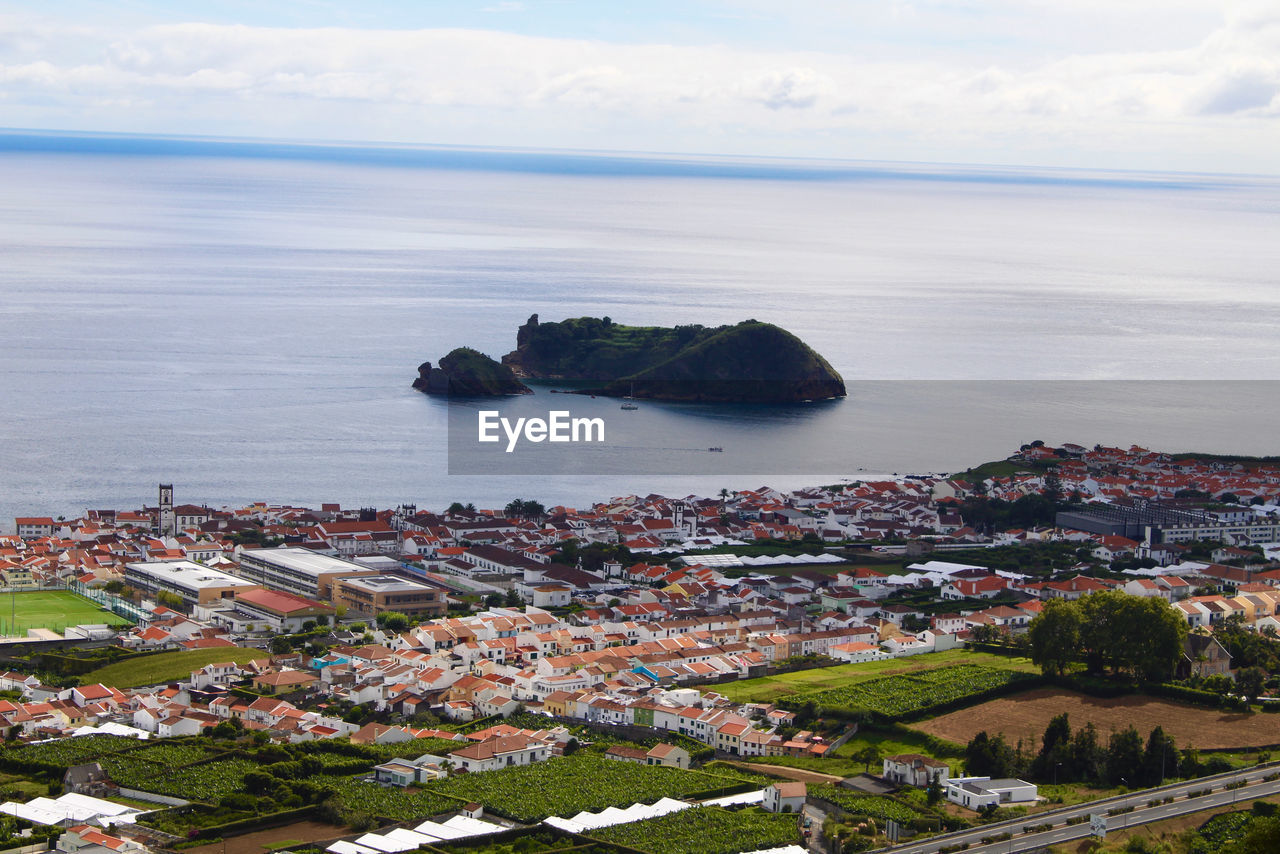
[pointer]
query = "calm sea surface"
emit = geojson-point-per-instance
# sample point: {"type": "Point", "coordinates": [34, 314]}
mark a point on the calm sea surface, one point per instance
{"type": "Point", "coordinates": [245, 320]}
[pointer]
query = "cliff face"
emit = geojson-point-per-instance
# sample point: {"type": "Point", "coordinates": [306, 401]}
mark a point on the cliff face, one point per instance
{"type": "Point", "coordinates": [750, 362]}
{"type": "Point", "coordinates": [468, 373]}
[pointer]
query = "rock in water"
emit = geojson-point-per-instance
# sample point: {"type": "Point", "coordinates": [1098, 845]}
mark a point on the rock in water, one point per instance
{"type": "Point", "coordinates": [468, 373]}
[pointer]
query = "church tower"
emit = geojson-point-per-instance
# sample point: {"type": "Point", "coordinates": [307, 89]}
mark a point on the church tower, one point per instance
{"type": "Point", "coordinates": [166, 524]}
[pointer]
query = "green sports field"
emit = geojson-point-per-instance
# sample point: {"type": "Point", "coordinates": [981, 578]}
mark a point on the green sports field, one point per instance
{"type": "Point", "coordinates": [50, 609]}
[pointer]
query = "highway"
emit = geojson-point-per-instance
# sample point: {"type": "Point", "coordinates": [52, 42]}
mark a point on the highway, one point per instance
{"type": "Point", "coordinates": [1255, 787]}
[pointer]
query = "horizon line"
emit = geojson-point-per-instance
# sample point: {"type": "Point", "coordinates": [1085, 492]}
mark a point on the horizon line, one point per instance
{"type": "Point", "coordinates": [598, 162]}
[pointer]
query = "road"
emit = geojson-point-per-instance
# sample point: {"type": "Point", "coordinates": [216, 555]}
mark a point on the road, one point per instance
{"type": "Point", "coordinates": [1255, 787]}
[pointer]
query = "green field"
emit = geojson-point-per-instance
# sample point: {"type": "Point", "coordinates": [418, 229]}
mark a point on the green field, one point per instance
{"type": "Point", "coordinates": [705, 830]}
{"type": "Point", "coordinates": [768, 689]}
{"type": "Point", "coordinates": [166, 666]}
{"type": "Point", "coordinates": [50, 609]}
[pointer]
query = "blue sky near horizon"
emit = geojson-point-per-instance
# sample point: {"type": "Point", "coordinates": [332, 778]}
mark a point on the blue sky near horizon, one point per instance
{"type": "Point", "coordinates": [1181, 85]}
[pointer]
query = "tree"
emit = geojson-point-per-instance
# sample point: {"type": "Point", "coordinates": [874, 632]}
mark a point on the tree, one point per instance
{"type": "Point", "coordinates": [258, 782]}
{"type": "Point", "coordinates": [1262, 837]}
{"type": "Point", "coordinates": [1052, 486]}
{"type": "Point", "coordinates": [1054, 759]}
{"type": "Point", "coordinates": [1055, 636]}
{"type": "Point", "coordinates": [1160, 759]}
{"type": "Point", "coordinates": [933, 792]}
{"type": "Point", "coordinates": [230, 728]}
{"type": "Point", "coordinates": [170, 600]}
{"type": "Point", "coordinates": [1088, 759]}
{"type": "Point", "coordinates": [985, 633]}
{"type": "Point", "coordinates": [280, 645]}
{"type": "Point", "coordinates": [989, 756]}
{"type": "Point", "coordinates": [525, 509]}
{"type": "Point", "coordinates": [393, 621]}
{"type": "Point", "coordinates": [1156, 646]}
{"type": "Point", "coordinates": [1250, 682]}
{"type": "Point", "coordinates": [1124, 758]}
{"type": "Point", "coordinates": [1138, 634]}
{"type": "Point", "coordinates": [868, 756]}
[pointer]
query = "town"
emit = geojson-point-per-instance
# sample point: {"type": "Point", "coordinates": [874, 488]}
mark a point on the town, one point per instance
{"type": "Point", "coordinates": [821, 669]}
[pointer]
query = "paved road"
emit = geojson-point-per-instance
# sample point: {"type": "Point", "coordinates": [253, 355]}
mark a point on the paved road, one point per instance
{"type": "Point", "coordinates": [1141, 814]}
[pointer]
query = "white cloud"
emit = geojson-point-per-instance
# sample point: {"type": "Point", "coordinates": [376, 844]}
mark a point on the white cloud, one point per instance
{"type": "Point", "coordinates": [797, 88]}
{"type": "Point", "coordinates": [507, 89]}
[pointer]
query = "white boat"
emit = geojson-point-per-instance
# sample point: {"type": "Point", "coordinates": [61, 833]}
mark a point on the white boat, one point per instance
{"type": "Point", "coordinates": [630, 397]}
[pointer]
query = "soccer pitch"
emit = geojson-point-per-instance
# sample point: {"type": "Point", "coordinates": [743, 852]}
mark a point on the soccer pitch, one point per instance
{"type": "Point", "coordinates": [50, 609]}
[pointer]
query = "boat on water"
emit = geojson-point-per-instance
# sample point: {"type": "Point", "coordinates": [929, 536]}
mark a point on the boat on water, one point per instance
{"type": "Point", "coordinates": [629, 398]}
{"type": "Point", "coordinates": [628, 406]}
{"type": "Point", "coordinates": [716, 449]}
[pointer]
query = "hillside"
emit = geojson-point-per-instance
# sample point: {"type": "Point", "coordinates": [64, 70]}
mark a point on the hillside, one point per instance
{"type": "Point", "coordinates": [167, 666]}
{"type": "Point", "coordinates": [750, 362]}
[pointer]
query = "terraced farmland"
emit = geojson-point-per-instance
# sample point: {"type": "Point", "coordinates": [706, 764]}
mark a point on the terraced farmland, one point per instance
{"type": "Point", "coordinates": [912, 694]}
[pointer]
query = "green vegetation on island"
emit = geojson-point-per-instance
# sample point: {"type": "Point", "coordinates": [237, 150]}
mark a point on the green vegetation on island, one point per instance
{"type": "Point", "coordinates": [750, 362]}
{"type": "Point", "coordinates": [468, 373]}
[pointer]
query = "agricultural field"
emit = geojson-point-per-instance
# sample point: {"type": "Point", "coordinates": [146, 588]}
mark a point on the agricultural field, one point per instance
{"type": "Point", "coordinates": [705, 830]}
{"type": "Point", "coordinates": [166, 666]}
{"type": "Point", "coordinates": [583, 781]}
{"type": "Point", "coordinates": [861, 804]}
{"type": "Point", "coordinates": [207, 783]}
{"type": "Point", "coordinates": [356, 798]}
{"type": "Point", "coordinates": [51, 609]}
{"type": "Point", "coordinates": [171, 754]}
{"type": "Point", "coordinates": [768, 689]}
{"type": "Point", "coordinates": [912, 693]}
{"type": "Point", "coordinates": [296, 836]}
{"type": "Point", "coordinates": [71, 751]}
{"type": "Point", "coordinates": [1025, 716]}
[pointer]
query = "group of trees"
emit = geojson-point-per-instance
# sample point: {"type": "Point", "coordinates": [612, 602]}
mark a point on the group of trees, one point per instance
{"type": "Point", "coordinates": [1081, 757]}
{"type": "Point", "coordinates": [988, 515]}
{"type": "Point", "coordinates": [593, 556]}
{"type": "Point", "coordinates": [1110, 631]}
{"type": "Point", "coordinates": [521, 508]}
{"type": "Point", "coordinates": [1249, 648]}
{"type": "Point", "coordinates": [511, 599]}
{"type": "Point", "coordinates": [394, 622]}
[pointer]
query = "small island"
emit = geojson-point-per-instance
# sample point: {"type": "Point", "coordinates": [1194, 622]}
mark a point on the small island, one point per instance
{"type": "Point", "coordinates": [748, 362]}
{"type": "Point", "coordinates": [468, 373]}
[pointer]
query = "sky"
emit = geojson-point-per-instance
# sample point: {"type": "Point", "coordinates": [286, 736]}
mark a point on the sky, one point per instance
{"type": "Point", "coordinates": [1174, 85]}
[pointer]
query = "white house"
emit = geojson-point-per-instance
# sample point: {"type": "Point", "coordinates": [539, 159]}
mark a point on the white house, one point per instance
{"type": "Point", "coordinates": [978, 792]}
{"type": "Point", "coordinates": [915, 770]}
{"type": "Point", "coordinates": [785, 797]}
{"type": "Point", "coordinates": [855, 651]}
{"type": "Point", "coordinates": [500, 753]}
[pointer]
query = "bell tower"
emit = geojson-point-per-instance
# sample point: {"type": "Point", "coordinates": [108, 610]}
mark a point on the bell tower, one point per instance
{"type": "Point", "coordinates": [166, 525]}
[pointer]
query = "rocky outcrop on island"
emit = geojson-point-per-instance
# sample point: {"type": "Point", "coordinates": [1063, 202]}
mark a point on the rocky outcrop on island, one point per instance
{"type": "Point", "coordinates": [749, 362]}
{"type": "Point", "coordinates": [468, 373]}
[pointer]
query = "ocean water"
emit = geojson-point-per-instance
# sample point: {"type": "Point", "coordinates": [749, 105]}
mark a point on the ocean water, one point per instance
{"type": "Point", "coordinates": [244, 320]}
